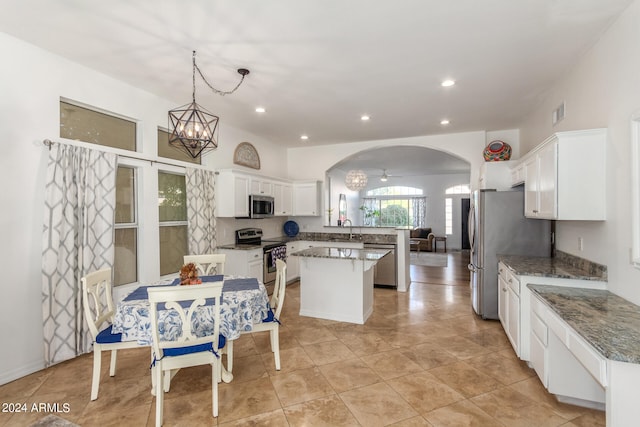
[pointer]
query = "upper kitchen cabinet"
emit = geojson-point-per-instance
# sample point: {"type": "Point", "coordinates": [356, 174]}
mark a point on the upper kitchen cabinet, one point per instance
{"type": "Point", "coordinates": [565, 177]}
{"type": "Point", "coordinates": [283, 198]}
{"type": "Point", "coordinates": [495, 175]}
{"type": "Point", "coordinates": [261, 186]}
{"type": "Point", "coordinates": [232, 194]}
{"type": "Point", "coordinates": [306, 198]}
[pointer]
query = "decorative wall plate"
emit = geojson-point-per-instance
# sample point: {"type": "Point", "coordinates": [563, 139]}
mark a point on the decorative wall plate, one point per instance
{"type": "Point", "coordinates": [246, 155]}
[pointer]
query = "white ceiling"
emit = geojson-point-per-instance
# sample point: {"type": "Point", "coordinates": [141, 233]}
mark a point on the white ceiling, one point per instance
{"type": "Point", "coordinates": [317, 66]}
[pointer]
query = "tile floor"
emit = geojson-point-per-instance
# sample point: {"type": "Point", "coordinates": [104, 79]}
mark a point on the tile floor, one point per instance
{"type": "Point", "coordinates": [422, 359]}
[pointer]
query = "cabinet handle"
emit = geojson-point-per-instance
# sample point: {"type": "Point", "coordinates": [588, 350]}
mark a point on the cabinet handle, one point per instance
{"type": "Point", "coordinates": [504, 289]}
{"type": "Point", "coordinates": [535, 211]}
{"type": "Point", "coordinates": [510, 280]}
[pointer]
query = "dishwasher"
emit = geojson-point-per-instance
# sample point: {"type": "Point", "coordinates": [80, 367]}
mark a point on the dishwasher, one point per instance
{"type": "Point", "coordinates": [385, 269]}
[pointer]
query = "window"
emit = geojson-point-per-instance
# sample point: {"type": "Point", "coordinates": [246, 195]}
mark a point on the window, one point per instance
{"type": "Point", "coordinates": [448, 216]}
{"type": "Point", "coordinates": [126, 227]}
{"type": "Point", "coordinates": [458, 189]}
{"type": "Point", "coordinates": [165, 150]}
{"type": "Point", "coordinates": [83, 124]}
{"type": "Point", "coordinates": [394, 206]}
{"type": "Point", "coordinates": [172, 205]}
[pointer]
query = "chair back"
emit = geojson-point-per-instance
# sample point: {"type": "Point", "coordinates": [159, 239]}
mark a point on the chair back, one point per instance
{"type": "Point", "coordinates": [279, 288]}
{"type": "Point", "coordinates": [97, 300]}
{"type": "Point", "coordinates": [176, 311]}
{"type": "Point", "coordinates": [207, 264]}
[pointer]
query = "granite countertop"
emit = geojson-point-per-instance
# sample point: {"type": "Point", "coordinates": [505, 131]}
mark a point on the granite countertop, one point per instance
{"type": "Point", "coordinates": [340, 253]}
{"type": "Point", "coordinates": [608, 322]}
{"type": "Point", "coordinates": [242, 247]}
{"type": "Point", "coordinates": [560, 268]}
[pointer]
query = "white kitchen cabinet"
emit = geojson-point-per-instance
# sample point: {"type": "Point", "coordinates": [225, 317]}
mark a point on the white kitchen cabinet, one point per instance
{"type": "Point", "coordinates": [246, 263]}
{"type": "Point", "coordinates": [261, 186]}
{"type": "Point", "coordinates": [565, 177]}
{"type": "Point", "coordinates": [509, 305]}
{"type": "Point", "coordinates": [306, 198]}
{"type": "Point", "coordinates": [232, 194]}
{"type": "Point", "coordinates": [539, 341]}
{"type": "Point", "coordinates": [293, 262]}
{"type": "Point", "coordinates": [495, 175]}
{"type": "Point", "coordinates": [283, 198]}
{"type": "Point", "coordinates": [518, 174]}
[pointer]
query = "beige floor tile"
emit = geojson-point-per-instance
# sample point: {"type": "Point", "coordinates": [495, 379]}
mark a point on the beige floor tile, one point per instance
{"type": "Point", "coordinates": [391, 364]}
{"type": "Point", "coordinates": [246, 399]}
{"type": "Point", "coordinates": [533, 389]}
{"type": "Point", "coordinates": [349, 374]}
{"type": "Point", "coordinates": [465, 379]}
{"type": "Point", "coordinates": [275, 418]}
{"type": "Point", "coordinates": [461, 414]}
{"type": "Point", "coordinates": [327, 411]}
{"type": "Point", "coordinates": [312, 334]}
{"type": "Point", "coordinates": [504, 366]}
{"type": "Point", "coordinates": [301, 386]}
{"type": "Point", "coordinates": [425, 392]}
{"type": "Point", "coordinates": [429, 355]}
{"type": "Point", "coordinates": [291, 360]}
{"type": "Point", "coordinates": [517, 410]}
{"type": "Point", "coordinates": [367, 343]}
{"type": "Point", "coordinates": [412, 422]}
{"type": "Point", "coordinates": [377, 405]}
{"type": "Point", "coordinates": [249, 368]}
{"type": "Point", "coordinates": [461, 347]}
{"type": "Point", "coordinates": [328, 352]}
{"type": "Point", "coordinates": [591, 418]}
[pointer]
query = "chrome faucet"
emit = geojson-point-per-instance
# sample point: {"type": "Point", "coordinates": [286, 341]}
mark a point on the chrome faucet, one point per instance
{"type": "Point", "coordinates": [350, 227]}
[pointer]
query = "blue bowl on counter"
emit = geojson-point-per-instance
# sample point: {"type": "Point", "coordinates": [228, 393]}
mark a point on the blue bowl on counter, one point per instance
{"type": "Point", "coordinates": [291, 228]}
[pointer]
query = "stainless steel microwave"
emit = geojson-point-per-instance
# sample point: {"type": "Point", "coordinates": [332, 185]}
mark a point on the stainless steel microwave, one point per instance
{"type": "Point", "coordinates": [260, 206]}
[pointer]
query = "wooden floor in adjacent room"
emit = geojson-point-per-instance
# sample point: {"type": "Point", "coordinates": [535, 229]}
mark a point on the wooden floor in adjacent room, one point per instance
{"type": "Point", "coordinates": [423, 358]}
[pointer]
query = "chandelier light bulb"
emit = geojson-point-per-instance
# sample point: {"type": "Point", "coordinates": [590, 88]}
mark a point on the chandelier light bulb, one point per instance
{"type": "Point", "coordinates": [356, 180]}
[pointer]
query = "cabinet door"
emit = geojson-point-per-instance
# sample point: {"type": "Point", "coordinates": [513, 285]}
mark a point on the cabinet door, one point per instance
{"type": "Point", "coordinates": [513, 319]}
{"type": "Point", "coordinates": [261, 186]}
{"type": "Point", "coordinates": [293, 262]}
{"type": "Point", "coordinates": [240, 196]}
{"type": "Point", "coordinates": [539, 358]}
{"type": "Point", "coordinates": [531, 188]}
{"type": "Point", "coordinates": [305, 199]}
{"type": "Point", "coordinates": [283, 199]}
{"type": "Point", "coordinates": [547, 179]}
{"type": "Point", "coordinates": [502, 301]}
{"type": "Point", "coordinates": [255, 270]}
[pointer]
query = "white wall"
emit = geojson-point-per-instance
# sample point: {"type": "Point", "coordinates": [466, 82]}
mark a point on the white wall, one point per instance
{"type": "Point", "coordinates": [32, 82]}
{"type": "Point", "coordinates": [602, 90]}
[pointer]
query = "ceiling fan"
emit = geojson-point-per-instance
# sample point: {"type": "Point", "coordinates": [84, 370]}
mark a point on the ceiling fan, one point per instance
{"type": "Point", "coordinates": [385, 176]}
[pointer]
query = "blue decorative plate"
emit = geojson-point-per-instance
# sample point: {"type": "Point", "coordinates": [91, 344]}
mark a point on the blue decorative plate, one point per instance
{"type": "Point", "coordinates": [291, 228]}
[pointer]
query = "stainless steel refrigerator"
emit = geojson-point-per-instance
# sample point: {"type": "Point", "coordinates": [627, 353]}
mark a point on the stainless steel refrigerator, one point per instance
{"type": "Point", "coordinates": [497, 226]}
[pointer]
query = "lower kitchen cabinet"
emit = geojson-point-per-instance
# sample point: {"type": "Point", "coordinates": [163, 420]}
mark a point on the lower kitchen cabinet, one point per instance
{"type": "Point", "coordinates": [293, 262]}
{"type": "Point", "coordinates": [246, 263]}
{"type": "Point", "coordinates": [509, 305]}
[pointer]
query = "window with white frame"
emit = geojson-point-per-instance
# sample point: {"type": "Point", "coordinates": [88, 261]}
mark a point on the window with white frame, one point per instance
{"type": "Point", "coordinates": [172, 207]}
{"type": "Point", "coordinates": [394, 206]}
{"type": "Point", "coordinates": [126, 227]}
{"type": "Point", "coordinates": [448, 216]}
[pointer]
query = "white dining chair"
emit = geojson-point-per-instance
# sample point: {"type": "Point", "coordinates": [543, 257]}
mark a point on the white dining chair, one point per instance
{"type": "Point", "coordinates": [173, 310]}
{"type": "Point", "coordinates": [98, 313]}
{"type": "Point", "coordinates": [271, 323]}
{"type": "Point", "coordinates": [207, 264]}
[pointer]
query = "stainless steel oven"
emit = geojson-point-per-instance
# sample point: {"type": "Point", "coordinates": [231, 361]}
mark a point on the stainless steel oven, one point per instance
{"type": "Point", "coordinates": [272, 252]}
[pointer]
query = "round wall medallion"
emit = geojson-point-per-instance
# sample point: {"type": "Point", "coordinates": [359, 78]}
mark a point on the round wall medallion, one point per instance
{"type": "Point", "coordinates": [246, 155]}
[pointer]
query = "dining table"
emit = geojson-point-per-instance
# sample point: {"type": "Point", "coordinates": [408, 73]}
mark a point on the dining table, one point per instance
{"type": "Point", "coordinates": [244, 302]}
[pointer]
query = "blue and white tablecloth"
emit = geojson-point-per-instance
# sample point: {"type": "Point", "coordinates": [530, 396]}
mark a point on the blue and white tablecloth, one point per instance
{"type": "Point", "coordinates": [244, 302]}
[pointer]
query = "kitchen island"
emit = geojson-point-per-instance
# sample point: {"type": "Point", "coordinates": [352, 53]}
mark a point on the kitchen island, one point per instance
{"type": "Point", "coordinates": [337, 283]}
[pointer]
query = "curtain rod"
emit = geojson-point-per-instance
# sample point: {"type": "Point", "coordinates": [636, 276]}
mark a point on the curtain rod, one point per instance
{"type": "Point", "coordinates": [49, 143]}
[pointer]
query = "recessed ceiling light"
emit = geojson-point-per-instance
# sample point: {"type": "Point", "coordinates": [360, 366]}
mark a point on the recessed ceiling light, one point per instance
{"type": "Point", "coordinates": [447, 83]}
{"type": "Point", "coordinates": [444, 122]}
{"type": "Point", "coordinates": [304, 137]}
{"type": "Point", "coordinates": [260, 110]}
{"type": "Point", "coordinates": [364, 118]}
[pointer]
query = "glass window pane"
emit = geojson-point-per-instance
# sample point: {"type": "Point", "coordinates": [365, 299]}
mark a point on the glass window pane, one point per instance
{"type": "Point", "coordinates": [169, 152]}
{"type": "Point", "coordinates": [126, 258]}
{"type": "Point", "coordinates": [125, 196]}
{"type": "Point", "coordinates": [86, 125]}
{"type": "Point", "coordinates": [172, 197]}
{"type": "Point", "coordinates": [173, 246]}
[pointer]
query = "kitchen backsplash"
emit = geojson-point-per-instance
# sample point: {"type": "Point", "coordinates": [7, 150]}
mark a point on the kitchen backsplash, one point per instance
{"type": "Point", "coordinates": [582, 264]}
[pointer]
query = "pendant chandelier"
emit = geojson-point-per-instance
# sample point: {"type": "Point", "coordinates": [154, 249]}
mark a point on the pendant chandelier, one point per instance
{"type": "Point", "coordinates": [356, 180]}
{"type": "Point", "coordinates": [192, 128]}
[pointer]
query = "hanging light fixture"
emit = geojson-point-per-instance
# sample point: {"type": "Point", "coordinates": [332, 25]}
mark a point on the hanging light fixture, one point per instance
{"type": "Point", "coordinates": [356, 180]}
{"type": "Point", "coordinates": [192, 128]}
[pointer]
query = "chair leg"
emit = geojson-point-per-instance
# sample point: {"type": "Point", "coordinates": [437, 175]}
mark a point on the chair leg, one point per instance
{"type": "Point", "coordinates": [167, 381]}
{"type": "Point", "coordinates": [95, 381]}
{"type": "Point", "coordinates": [112, 366]}
{"type": "Point", "coordinates": [159, 395]}
{"type": "Point", "coordinates": [215, 378]}
{"type": "Point", "coordinates": [229, 356]}
{"type": "Point", "coordinates": [275, 346]}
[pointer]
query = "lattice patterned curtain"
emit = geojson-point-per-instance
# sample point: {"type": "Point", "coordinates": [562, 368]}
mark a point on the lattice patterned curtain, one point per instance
{"type": "Point", "coordinates": [201, 210]}
{"type": "Point", "coordinates": [419, 208]}
{"type": "Point", "coordinates": [78, 237]}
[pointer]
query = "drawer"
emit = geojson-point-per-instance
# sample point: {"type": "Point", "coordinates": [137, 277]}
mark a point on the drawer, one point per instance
{"type": "Point", "coordinates": [502, 271]}
{"type": "Point", "coordinates": [538, 307]}
{"type": "Point", "coordinates": [589, 357]}
{"type": "Point", "coordinates": [539, 328]}
{"type": "Point", "coordinates": [513, 282]}
{"type": "Point", "coordinates": [558, 327]}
